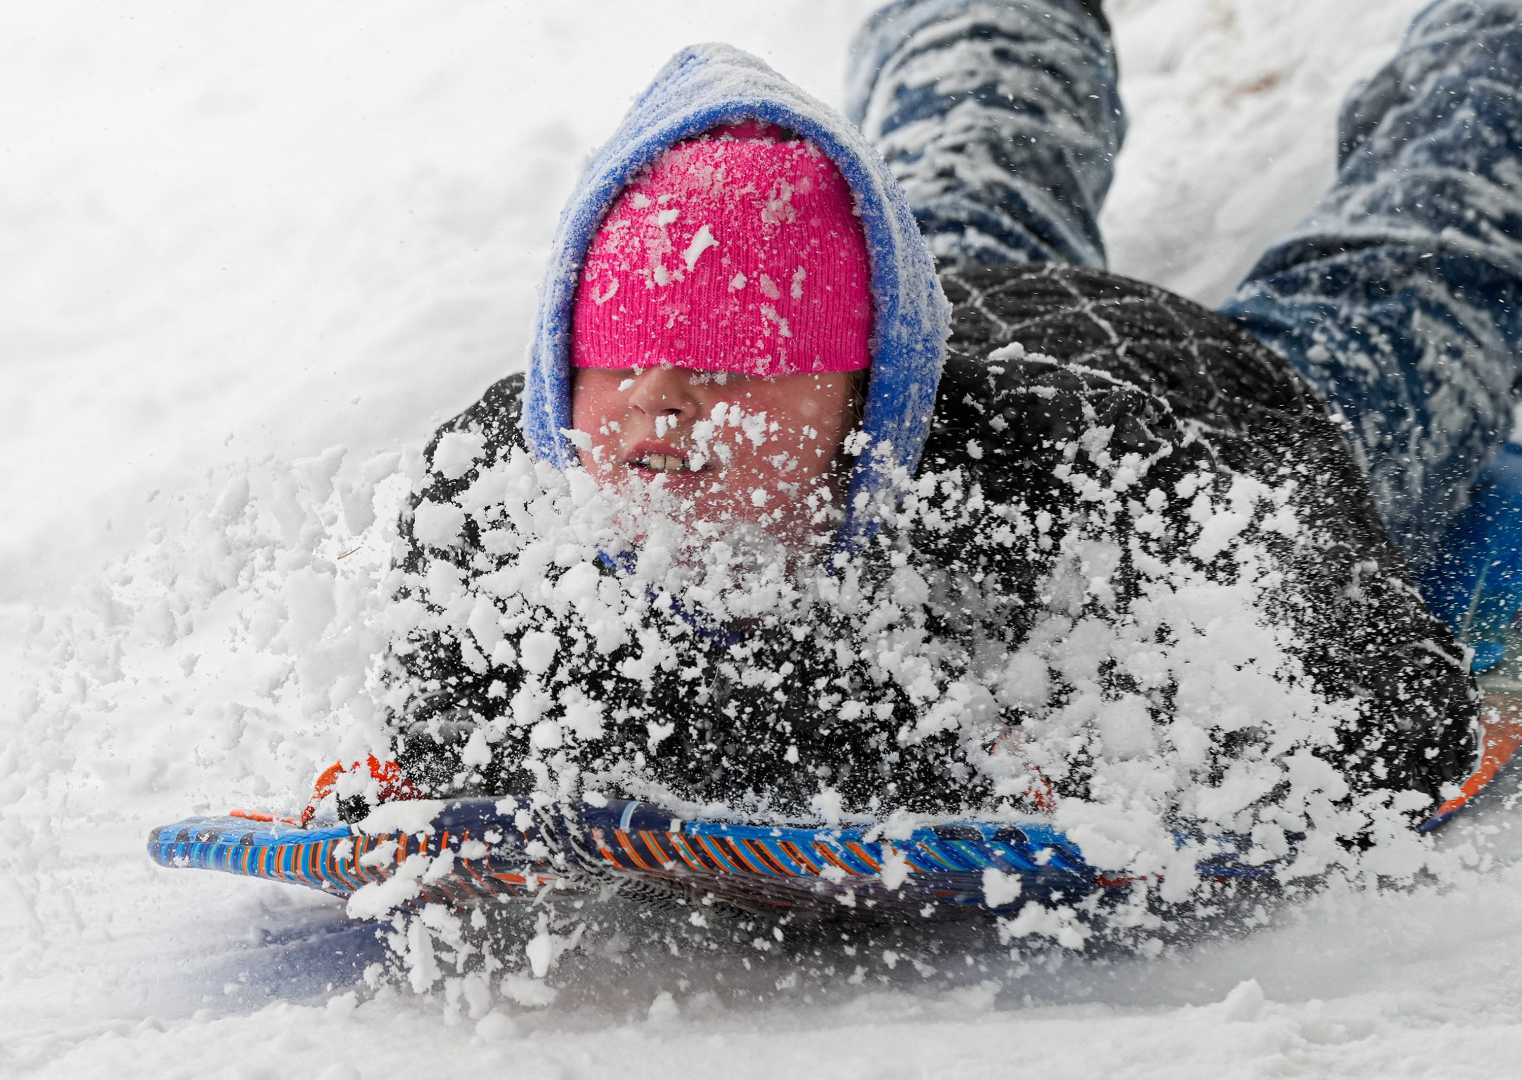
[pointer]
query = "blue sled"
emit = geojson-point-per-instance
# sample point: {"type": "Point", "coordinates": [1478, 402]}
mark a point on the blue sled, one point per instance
{"type": "Point", "coordinates": [473, 849]}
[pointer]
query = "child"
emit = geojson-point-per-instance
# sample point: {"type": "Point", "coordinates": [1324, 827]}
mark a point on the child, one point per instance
{"type": "Point", "coordinates": [779, 311]}
{"type": "Point", "coordinates": [1027, 573]}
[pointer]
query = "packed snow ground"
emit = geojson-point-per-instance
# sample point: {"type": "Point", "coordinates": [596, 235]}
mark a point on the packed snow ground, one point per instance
{"type": "Point", "coordinates": [233, 240]}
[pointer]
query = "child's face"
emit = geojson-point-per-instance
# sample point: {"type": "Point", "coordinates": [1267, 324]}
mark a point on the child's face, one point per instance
{"type": "Point", "coordinates": [734, 447]}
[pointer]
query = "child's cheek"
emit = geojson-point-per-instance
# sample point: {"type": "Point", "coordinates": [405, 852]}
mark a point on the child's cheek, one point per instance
{"type": "Point", "coordinates": [600, 456]}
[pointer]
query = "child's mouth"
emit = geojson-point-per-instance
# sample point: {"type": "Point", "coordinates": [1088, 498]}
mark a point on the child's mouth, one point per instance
{"type": "Point", "coordinates": [663, 459]}
{"type": "Point", "coordinates": [666, 463]}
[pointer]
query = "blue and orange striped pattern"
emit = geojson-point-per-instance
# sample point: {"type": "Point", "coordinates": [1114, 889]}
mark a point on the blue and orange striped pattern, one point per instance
{"type": "Point", "coordinates": [790, 865]}
{"type": "Point", "coordinates": [757, 866]}
{"type": "Point", "coordinates": [341, 859]}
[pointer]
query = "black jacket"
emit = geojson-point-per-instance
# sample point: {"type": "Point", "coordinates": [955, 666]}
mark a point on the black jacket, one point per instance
{"type": "Point", "coordinates": [1179, 387]}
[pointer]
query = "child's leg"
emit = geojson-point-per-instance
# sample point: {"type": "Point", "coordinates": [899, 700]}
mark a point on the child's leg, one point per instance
{"type": "Point", "coordinates": [1001, 120]}
{"type": "Point", "coordinates": [1400, 298]}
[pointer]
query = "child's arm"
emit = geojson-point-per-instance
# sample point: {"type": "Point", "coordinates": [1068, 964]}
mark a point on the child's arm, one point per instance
{"type": "Point", "coordinates": [442, 686]}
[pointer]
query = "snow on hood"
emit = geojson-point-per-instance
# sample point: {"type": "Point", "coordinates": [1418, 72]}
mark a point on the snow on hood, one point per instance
{"type": "Point", "coordinates": [700, 88]}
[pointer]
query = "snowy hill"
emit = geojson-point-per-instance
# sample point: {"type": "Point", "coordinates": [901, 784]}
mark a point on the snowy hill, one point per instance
{"type": "Point", "coordinates": [251, 257]}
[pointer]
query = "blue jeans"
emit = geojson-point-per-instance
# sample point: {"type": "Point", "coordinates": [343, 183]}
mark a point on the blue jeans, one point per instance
{"type": "Point", "coordinates": [1399, 299]}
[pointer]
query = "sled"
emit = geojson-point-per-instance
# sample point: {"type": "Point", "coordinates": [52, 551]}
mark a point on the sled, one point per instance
{"type": "Point", "coordinates": [466, 851]}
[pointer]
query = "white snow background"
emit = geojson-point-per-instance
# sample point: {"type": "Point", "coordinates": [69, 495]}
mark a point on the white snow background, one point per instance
{"type": "Point", "coordinates": [249, 253]}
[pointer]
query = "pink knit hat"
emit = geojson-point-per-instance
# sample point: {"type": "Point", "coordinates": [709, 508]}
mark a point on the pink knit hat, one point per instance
{"type": "Point", "coordinates": [739, 251]}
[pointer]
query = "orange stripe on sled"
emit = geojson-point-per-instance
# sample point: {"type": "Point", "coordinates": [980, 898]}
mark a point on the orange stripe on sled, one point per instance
{"type": "Point", "coordinates": [655, 847]}
{"type": "Point", "coordinates": [861, 853]}
{"type": "Point", "coordinates": [759, 850]}
{"type": "Point", "coordinates": [356, 851]}
{"type": "Point", "coordinates": [824, 850]}
{"type": "Point", "coordinates": [684, 852]}
{"type": "Point", "coordinates": [798, 856]}
{"type": "Point", "coordinates": [734, 846]}
{"type": "Point", "coordinates": [601, 840]}
{"type": "Point", "coordinates": [625, 843]}
{"type": "Point", "coordinates": [1499, 744]}
{"type": "Point", "coordinates": [725, 864]}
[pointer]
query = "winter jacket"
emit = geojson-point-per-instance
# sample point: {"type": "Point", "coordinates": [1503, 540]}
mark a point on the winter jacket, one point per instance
{"type": "Point", "coordinates": [1051, 383]}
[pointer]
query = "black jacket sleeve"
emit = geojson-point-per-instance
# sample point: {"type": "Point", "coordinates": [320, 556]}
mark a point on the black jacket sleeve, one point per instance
{"type": "Point", "coordinates": [443, 682]}
{"type": "Point", "coordinates": [1187, 393]}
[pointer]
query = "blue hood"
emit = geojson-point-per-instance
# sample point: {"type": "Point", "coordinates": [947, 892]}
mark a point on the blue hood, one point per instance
{"type": "Point", "coordinates": [700, 88]}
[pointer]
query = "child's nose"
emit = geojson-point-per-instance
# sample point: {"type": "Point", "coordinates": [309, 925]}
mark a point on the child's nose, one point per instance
{"type": "Point", "coordinates": [664, 392]}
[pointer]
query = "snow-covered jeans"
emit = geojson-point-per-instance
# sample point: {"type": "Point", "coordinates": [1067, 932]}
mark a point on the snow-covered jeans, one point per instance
{"type": "Point", "coordinates": [1399, 298]}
